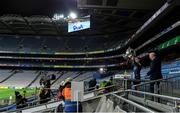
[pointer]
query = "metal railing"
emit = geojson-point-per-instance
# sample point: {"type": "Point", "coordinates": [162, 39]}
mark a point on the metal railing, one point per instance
{"type": "Point", "coordinates": [99, 89]}
{"type": "Point", "coordinates": [118, 101]}
{"type": "Point", "coordinates": [155, 95]}
{"type": "Point", "coordinates": [167, 86]}
{"type": "Point", "coordinates": [169, 102]}
{"type": "Point", "coordinates": [120, 85]}
{"type": "Point", "coordinates": [137, 106]}
{"type": "Point", "coordinates": [158, 80]}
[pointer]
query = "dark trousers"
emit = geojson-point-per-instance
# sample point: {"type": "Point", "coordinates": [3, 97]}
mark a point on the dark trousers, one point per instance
{"type": "Point", "coordinates": [152, 85]}
{"type": "Point", "coordinates": [136, 83]}
{"type": "Point", "coordinates": [152, 89]}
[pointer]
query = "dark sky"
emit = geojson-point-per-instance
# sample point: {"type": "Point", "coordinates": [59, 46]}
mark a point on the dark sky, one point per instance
{"type": "Point", "coordinates": [36, 7]}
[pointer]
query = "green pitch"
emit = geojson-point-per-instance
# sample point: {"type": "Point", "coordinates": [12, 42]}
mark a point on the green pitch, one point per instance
{"type": "Point", "coordinates": [6, 93]}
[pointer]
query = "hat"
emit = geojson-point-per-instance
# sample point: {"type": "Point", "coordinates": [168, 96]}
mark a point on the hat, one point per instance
{"type": "Point", "coordinates": [67, 80]}
{"type": "Point", "coordinates": [62, 83]}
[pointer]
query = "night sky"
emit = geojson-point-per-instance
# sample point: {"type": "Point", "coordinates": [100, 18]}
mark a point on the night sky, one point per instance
{"type": "Point", "coordinates": [36, 7]}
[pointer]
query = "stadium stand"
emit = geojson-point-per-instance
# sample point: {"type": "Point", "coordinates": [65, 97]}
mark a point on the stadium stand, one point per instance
{"type": "Point", "coordinates": [104, 56]}
{"type": "Point", "coordinates": [20, 79]}
{"type": "Point", "coordinates": [4, 76]}
{"type": "Point", "coordinates": [31, 79]}
{"type": "Point", "coordinates": [37, 76]}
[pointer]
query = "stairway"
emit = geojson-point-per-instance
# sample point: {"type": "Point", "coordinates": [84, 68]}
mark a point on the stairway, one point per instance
{"type": "Point", "coordinates": [131, 101]}
{"type": "Point", "coordinates": [29, 85]}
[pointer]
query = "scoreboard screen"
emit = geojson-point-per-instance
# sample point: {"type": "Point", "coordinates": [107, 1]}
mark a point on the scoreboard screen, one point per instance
{"type": "Point", "coordinates": [78, 25]}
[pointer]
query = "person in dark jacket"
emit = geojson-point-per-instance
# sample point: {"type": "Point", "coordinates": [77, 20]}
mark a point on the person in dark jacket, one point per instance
{"type": "Point", "coordinates": [44, 95]}
{"type": "Point", "coordinates": [59, 94]}
{"type": "Point", "coordinates": [155, 70]}
{"type": "Point", "coordinates": [136, 70]}
{"type": "Point", "coordinates": [20, 100]}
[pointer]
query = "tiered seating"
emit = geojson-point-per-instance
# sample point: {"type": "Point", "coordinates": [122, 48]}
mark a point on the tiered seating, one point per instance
{"type": "Point", "coordinates": [4, 74]}
{"type": "Point", "coordinates": [20, 79]}
{"type": "Point", "coordinates": [24, 78]}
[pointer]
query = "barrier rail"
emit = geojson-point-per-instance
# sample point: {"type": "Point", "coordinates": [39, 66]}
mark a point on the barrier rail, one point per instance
{"type": "Point", "coordinates": [153, 81]}
{"type": "Point", "coordinates": [167, 86]}
{"type": "Point", "coordinates": [168, 103]}
{"type": "Point", "coordinates": [133, 103]}
{"type": "Point", "coordinates": [155, 95]}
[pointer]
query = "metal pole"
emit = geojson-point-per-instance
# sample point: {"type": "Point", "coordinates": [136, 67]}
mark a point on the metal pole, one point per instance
{"type": "Point", "coordinates": [172, 88]}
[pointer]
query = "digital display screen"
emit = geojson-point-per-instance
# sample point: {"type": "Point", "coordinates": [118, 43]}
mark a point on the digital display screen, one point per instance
{"type": "Point", "coordinates": [77, 26]}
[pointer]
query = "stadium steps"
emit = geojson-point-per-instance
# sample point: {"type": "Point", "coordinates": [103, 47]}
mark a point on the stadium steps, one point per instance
{"type": "Point", "coordinates": [12, 74]}
{"type": "Point", "coordinates": [61, 74]}
{"type": "Point", "coordinates": [33, 80]}
{"type": "Point", "coordinates": [165, 104]}
{"type": "Point", "coordinates": [110, 103]}
{"type": "Point", "coordinates": [130, 102]}
{"type": "Point", "coordinates": [20, 79]}
{"type": "Point", "coordinates": [151, 104]}
{"type": "Point", "coordinates": [4, 74]}
{"type": "Point", "coordinates": [35, 83]}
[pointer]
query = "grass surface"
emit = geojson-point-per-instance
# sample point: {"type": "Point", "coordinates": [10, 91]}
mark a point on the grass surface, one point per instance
{"type": "Point", "coordinates": [6, 93]}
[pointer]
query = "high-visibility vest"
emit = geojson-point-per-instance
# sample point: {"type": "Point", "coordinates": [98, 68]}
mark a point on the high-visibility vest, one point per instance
{"type": "Point", "coordinates": [67, 93]}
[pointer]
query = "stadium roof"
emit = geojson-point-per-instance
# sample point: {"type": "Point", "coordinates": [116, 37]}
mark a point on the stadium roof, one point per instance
{"type": "Point", "coordinates": [113, 22]}
{"type": "Point", "coordinates": [34, 17]}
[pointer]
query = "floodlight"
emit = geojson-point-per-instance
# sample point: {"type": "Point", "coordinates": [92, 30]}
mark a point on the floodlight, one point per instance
{"type": "Point", "coordinates": [73, 15]}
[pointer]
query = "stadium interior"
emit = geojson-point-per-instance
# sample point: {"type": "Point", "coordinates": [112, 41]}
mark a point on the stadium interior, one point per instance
{"type": "Point", "coordinates": [45, 45]}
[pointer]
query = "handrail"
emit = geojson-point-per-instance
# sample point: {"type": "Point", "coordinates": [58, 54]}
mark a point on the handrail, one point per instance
{"type": "Point", "coordinates": [106, 94]}
{"type": "Point", "coordinates": [86, 91]}
{"type": "Point", "coordinates": [134, 104]}
{"type": "Point", "coordinates": [99, 89]}
{"type": "Point", "coordinates": [155, 95]}
{"type": "Point", "coordinates": [158, 80]}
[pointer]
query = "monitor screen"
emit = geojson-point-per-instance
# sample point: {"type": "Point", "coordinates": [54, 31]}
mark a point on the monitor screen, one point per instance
{"type": "Point", "coordinates": [79, 25]}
